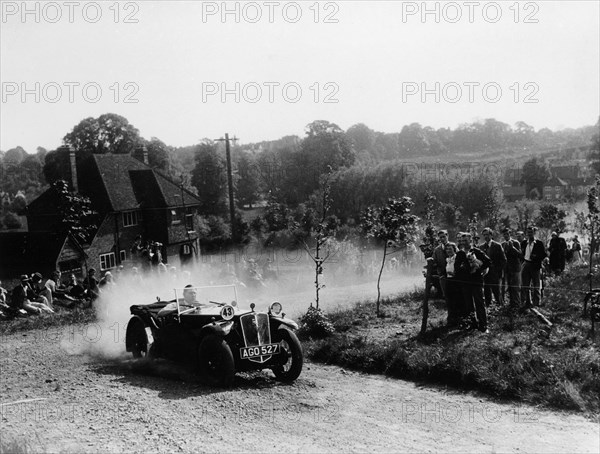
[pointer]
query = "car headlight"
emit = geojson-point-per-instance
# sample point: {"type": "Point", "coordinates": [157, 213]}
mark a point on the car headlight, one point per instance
{"type": "Point", "coordinates": [275, 308]}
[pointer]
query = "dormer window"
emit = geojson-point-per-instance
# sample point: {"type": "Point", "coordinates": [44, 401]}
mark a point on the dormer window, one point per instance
{"type": "Point", "coordinates": [130, 218]}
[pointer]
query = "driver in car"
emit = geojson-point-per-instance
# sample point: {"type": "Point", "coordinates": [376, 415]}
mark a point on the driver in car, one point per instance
{"type": "Point", "coordinates": [189, 300]}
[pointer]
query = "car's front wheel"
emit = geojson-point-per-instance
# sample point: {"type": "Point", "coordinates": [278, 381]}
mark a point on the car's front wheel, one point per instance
{"type": "Point", "coordinates": [292, 357]}
{"type": "Point", "coordinates": [215, 361]}
{"type": "Point", "coordinates": [137, 339]}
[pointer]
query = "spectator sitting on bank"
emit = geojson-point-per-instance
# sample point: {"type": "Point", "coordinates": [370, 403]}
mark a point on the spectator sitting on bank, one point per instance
{"type": "Point", "coordinates": [3, 299]}
{"type": "Point", "coordinates": [41, 292]}
{"type": "Point", "coordinates": [24, 298]}
{"type": "Point", "coordinates": [74, 289]}
{"type": "Point", "coordinates": [58, 291]}
{"type": "Point", "coordinates": [90, 283]}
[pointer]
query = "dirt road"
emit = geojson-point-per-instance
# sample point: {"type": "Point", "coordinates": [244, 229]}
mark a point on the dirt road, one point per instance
{"type": "Point", "coordinates": [90, 404]}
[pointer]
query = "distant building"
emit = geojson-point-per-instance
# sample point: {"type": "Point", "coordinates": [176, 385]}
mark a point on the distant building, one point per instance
{"type": "Point", "coordinates": [134, 202]}
{"type": "Point", "coordinates": [555, 189]}
{"type": "Point", "coordinates": [513, 193]}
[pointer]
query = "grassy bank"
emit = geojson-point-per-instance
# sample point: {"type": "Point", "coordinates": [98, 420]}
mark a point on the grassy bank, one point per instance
{"type": "Point", "coordinates": [521, 359]}
{"type": "Point", "coordinates": [62, 317]}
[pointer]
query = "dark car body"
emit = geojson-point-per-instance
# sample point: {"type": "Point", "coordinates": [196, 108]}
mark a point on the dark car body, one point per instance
{"type": "Point", "coordinates": [218, 340]}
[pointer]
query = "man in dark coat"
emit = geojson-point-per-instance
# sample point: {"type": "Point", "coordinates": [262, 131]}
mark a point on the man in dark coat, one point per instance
{"type": "Point", "coordinates": [534, 253]}
{"type": "Point", "coordinates": [492, 279]}
{"type": "Point", "coordinates": [557, 252]}
{"type": "Point", "coordinates": [512, 270]}
{"type": "Point", "coordinates": [476, 263]}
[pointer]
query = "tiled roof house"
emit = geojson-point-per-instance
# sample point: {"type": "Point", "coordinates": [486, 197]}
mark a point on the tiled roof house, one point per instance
{"type": "Point", "coordinates": [132, 200]}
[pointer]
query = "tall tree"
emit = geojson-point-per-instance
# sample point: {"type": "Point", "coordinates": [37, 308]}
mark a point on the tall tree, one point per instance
{"type": "Point", "coordinates": [209, 177]}
{"type": "Point", "coordinates": [534, 175]}
{"type": "Point", "coordinates": [109, 133]}
{"type": "Point", "coordinates": [361, 137]}
{"type": "Point", "coordinates": [247, 183]}
{"type": "Point", "coordinates": [158, 153]}
{"type": "Point", "coordinates": [324, 146]}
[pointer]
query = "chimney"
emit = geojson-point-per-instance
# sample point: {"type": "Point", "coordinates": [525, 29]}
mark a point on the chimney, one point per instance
{"type": "Point", "coordinates": [73, 169]}
{"type": "Point", "coordinates": [145, 151]}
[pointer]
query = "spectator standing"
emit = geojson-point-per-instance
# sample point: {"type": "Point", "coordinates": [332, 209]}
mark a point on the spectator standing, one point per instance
{"type": "Point", "coordinates": [534, 253]}
{"type": "Point", "coordinates": [453, 287]}
{"type": "Point", "coordinates": [512, 250]}
{"type": "Point", "coordinates": [439, 260]}
{"type": "Point", "coordinates": [475, 263]}
{"type": "Point", "coordinates": [557, 253]}
{"type": "Point", "coordinates": [576, 248]}
{"type": "Point", "coordinates": [492, 279]}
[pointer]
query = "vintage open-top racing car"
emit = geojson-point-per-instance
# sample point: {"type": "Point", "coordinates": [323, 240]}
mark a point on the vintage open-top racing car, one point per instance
{"type": "Point", "coordinates": [219, 339]}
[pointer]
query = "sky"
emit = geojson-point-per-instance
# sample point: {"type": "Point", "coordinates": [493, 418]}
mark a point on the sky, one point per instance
{"type": "Point", "coordinates": [182, 71]}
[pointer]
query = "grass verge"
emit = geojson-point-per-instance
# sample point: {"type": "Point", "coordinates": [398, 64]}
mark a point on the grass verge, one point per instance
{"type": "Point", "coordinates": [61, 317]}
{"type": "Point", "coordinates": [521, 359]}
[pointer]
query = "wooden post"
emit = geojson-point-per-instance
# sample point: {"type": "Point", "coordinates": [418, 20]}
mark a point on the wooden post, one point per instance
{"type": "Point", "coordinates": [426, 304]}
{"type": "Point", "coordinates": [230, 184]}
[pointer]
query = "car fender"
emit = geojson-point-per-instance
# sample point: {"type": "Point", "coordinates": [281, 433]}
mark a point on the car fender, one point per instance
{"type": "Point", "coordinates": [284, 321]}
{"type": "Point", "coordinates": [220, 329]}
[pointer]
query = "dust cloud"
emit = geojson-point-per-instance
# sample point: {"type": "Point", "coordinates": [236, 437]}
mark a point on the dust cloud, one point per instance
{"type": "Point", "coordinates": [284, 276]}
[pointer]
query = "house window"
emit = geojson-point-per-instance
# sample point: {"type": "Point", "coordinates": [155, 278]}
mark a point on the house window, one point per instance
{"type": "Point", "coordinates": [174, 218]}
{"type": "Point", "coordinates": [107, 261]}
{"type": "Point", "coordinates": [122, 256]}
{"type": "Point", "coordinates": [189, 222]}
{"type": "Point", "coordinates": [130, 218]}
{"type": "Point", "coordinates": [187, 250]}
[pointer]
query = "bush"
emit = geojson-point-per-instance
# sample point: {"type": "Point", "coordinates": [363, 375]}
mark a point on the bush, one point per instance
{"type": "Point", "coordinates": [315, 324]}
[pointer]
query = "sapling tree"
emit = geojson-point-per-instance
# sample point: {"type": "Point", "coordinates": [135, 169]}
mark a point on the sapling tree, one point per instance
{"type": "Point", "coordinates": [593, 221]}
{"type": "Point", "coordinates": [393, 225]}
{"type": "Point", "coordinates": [324, 228]}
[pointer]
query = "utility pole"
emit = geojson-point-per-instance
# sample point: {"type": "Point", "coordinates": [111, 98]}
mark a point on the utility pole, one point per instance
{"type": "Point", "coordinates": [230, 184]}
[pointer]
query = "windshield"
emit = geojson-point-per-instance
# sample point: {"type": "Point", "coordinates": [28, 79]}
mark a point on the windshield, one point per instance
{"type": "Point", "coordinates": [206, 295]}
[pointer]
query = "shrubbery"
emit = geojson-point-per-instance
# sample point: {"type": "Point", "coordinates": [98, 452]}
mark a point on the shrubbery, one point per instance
{"type": "Point", "coordinates": [315, 324]}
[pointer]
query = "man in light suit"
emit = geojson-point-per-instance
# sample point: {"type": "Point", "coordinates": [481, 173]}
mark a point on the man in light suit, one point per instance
{"type": "Point", "coordinates": [492, 279]}
{"type": "Point", "coordinates": [534, 253]}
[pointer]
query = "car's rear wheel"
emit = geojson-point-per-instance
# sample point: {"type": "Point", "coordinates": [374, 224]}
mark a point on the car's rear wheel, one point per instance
{"type": "Point", "coordinates": [138, 339]}
{"type": "Point", "coordinates": [215, 361]}
{"type": "Point", "coordinates": [292, 357]}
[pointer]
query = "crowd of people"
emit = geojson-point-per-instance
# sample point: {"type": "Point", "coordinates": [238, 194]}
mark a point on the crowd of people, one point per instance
{"type": "Point", "coordinates": [471, 276]}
